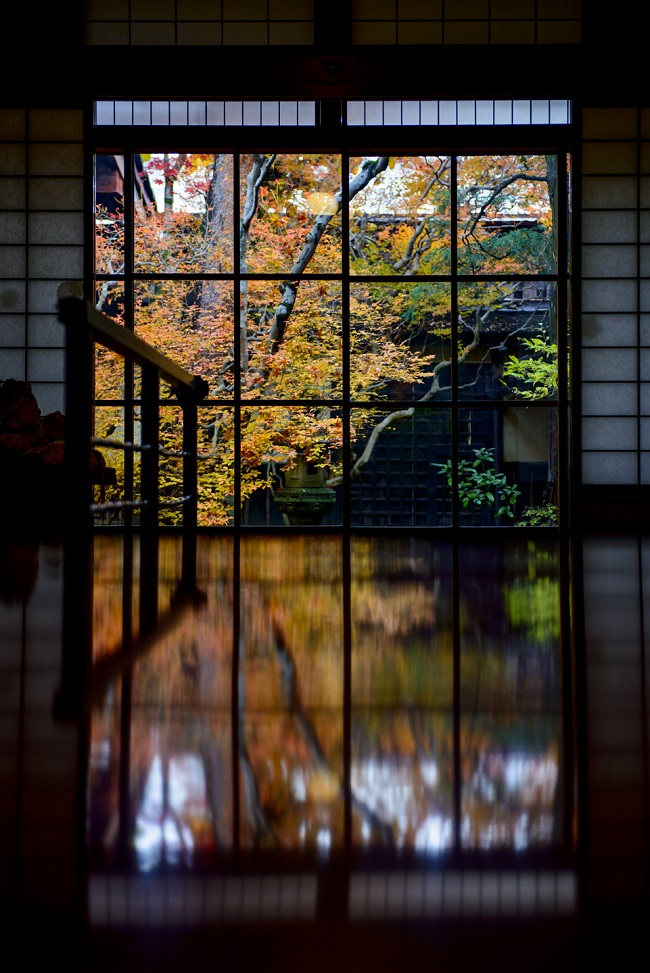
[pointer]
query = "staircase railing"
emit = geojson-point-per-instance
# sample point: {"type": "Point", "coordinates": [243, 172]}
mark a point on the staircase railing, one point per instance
{"type": "Point", "coordinates": [87, 327]}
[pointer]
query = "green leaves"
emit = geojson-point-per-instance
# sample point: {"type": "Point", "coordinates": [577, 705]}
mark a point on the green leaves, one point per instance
{"type": "Point", "coordinates": [480, 484]}
{"type": "Point", "coordinates": [535, 377]}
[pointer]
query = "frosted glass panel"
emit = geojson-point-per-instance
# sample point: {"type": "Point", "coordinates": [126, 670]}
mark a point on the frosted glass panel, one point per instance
{"type": "Point", "coordinates": [609, 468]}
{"type": "Point", "coordinates": [521, 112]}
{"type": "Point", "coordinates": [252, 113]}
{"type": "Point", "coordinates": [600, 192]}
{"type": "Point", "coordinates": [560, 112]}
{"type": "Point", "coordinates": [608, 123]}
{"type": "Point", "coordinates": [104, 113]}
{"type": "Point", "coordinates": [605, 261]}
{"type": "Point", "coordinates": [610, 432]}
{"type": "Point", "coordinates": [614, 295]}
{"type": "Point", "coordinates": [410, 112]}
{"type": "Point", "coordinates": [374, 114]}
{"type": "Point", "coordinates": [360, 113]}
{"type": "Point", "coordinates": [466, 113]}
{"type": "Point", "coordinates": [355, 113]}
{"type": "Point", "coordinates": [484, 112]}
{"type": "Point", "coordinates": [429, 113]}
{"type": "Point", "coordinates": [609, 227]}
{"type": "Point", "coordinates": [609, 329]}
{"type": "Point", "coordinates": [141, 113]}
{"type": "Point", "coordinates": [447, 112]}
{"type": "Point", "coordinates": [617, 158]}
{"type": "Point", "coordinates": [609, 399]}
{"type": "Point", "coordinates": [619, 364]}
{"type": "Point", "coordinates": [270, 113]}
{"type": "Point", "coordinates": [196, 113]}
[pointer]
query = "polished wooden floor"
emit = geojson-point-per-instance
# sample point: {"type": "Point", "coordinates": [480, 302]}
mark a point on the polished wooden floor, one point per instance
{"type": "Point", "coordinates": [42, 886]}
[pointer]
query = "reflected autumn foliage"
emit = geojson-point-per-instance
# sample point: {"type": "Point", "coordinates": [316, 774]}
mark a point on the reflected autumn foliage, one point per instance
{"type": "Point", "coordinates": [229, 737]}
{"type": "Point", "coordinates": [290, 693]}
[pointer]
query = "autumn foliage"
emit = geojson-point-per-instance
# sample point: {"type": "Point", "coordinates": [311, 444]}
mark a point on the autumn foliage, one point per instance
{"type": "Point", "coordinates": [245, 274]}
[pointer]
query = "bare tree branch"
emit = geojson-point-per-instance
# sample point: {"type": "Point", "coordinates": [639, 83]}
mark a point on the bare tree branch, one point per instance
{"type": "Point", "coordinates": [256, 177]}
{"type": "Point", "coordinates": [400, 414]}
{"type": "Point", "coordinates": [496, 191]}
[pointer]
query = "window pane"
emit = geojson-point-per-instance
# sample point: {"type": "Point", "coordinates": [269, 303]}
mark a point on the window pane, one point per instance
{"type": "Point", "coordinates": [505, 214]}
{"type": "Point", "coordinates": [485, 495]}
{"type": "Point", "coordinates": [302, 360]}
{"type": "Point", "coordinates": [108, 463]}
{"type": "Point", "coordinates": [508, 340]}
{"type": "Point", "coordinates": [188, 226]}
{"type": "Point", "coordinates": [394, 478]}
{"type": "Point", "coordinates": [400, 220]}
{"type": "Point", "coordinates": [109, 374]}
{"type": "Point", "coordinates": [507, 467]}
{"type": "Point", "coordinates": [216, 475]}
{"type": "Point", "coordinates": [283, 198]}
{"type": "Point", "coordinates": [216, 486]}
{"type": "Point", "coordinates": [399, 337]}
{"type": "Point", "coordinates": [290, 465]}
{"type": "Point", "coordinates": [109, 214]}
{"type": "Point", "coordinates": [192, 322]}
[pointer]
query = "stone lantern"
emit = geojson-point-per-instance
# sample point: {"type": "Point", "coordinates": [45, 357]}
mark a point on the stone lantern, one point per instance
{"type": "Point", "coordinates": [304, 498]}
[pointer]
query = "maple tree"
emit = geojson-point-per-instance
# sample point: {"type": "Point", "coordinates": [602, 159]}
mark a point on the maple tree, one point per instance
{"type": "Point", "coordinates": [303, 332]}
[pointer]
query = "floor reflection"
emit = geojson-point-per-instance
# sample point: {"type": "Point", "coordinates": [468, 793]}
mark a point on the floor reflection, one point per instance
{"type": "Point", "coordinates": [230, 736]}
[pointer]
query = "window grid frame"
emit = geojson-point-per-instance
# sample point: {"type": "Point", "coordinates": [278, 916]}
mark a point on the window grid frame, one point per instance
{"type": "Point", "coordinates": [346, 531]}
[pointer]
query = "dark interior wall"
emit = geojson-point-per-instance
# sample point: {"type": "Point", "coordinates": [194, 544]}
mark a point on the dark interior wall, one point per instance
{"type": "Point", "coordinates": [605, 68]}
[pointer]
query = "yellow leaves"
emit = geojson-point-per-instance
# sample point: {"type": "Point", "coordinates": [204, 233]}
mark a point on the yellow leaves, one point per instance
{"type": "Point", "coordinates": [322, 204]}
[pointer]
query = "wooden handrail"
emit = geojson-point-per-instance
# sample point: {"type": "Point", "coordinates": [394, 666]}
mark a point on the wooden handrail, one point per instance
{"type": "Point", "coordinates": [74, 311]}
{"type": "Point", "coordinates": [86, 326]}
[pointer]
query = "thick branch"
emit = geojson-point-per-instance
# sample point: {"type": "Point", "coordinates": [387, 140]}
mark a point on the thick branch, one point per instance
{"type": "Point", "coordinates": [254, 181]}
{"type": "Point", "coordinates": [399, 414]}
{"type": "Point", "coordinates": [369, 170]}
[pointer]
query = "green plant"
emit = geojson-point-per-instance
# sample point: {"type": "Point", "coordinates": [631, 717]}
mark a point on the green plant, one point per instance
{"type": "Point", "coordinates": [544, 515]}
{"type": "Point", "coordinates": [538, 374]}
{"type": "Point", "coordinates": [481, 485]}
